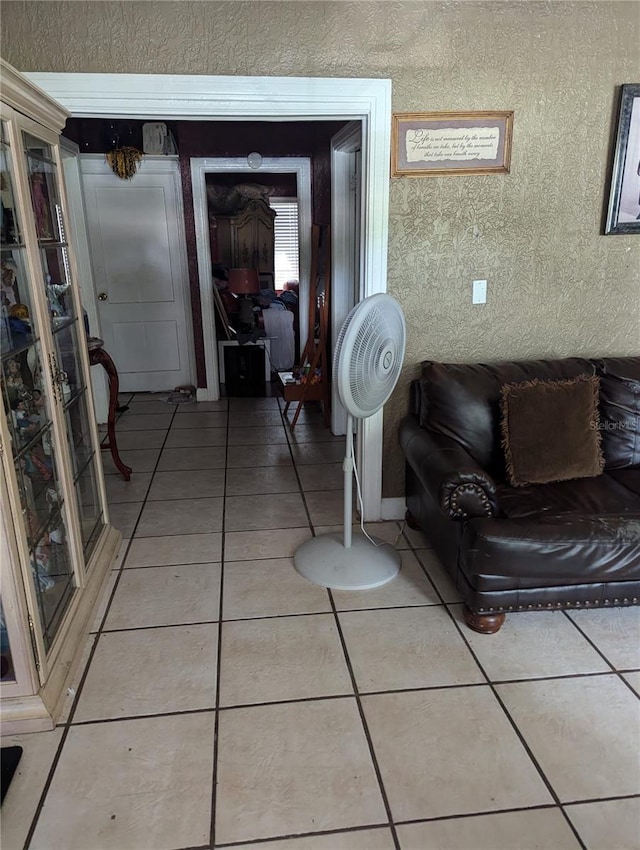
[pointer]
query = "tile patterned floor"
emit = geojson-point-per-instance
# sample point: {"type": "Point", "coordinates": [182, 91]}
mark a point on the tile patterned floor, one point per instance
{"type": "Point", "coordinates": [222, 700]}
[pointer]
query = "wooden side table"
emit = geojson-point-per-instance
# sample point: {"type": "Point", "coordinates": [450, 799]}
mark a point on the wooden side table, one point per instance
{"type": "Point", "coordinates": [98, 356]}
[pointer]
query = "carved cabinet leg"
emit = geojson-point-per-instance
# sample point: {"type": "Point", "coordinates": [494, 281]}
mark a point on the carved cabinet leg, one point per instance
{"type": "Point", "coordinates": [486, 624]}
{"type": "Point", "coordinates": [411, 520]}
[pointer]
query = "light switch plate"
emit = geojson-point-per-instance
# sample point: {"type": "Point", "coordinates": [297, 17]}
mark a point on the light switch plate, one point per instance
{"type": "Point", "coordinates": [479, 292]}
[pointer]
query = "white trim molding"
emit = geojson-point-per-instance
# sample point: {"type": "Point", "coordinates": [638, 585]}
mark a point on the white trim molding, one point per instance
{"type": "Point", "coordinates": [200, 167]}
{"type": "Point", "coordinates": [188, 97]}
{"type": "Point", "coordinates": [393, 508]}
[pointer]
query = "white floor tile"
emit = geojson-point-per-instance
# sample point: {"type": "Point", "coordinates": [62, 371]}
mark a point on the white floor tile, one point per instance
{"type": "Point", "coordinates": [177, 549]}
{"type": "Point", "coordinates": [134, 490]}
{"type": "Point", "coordinates": [204, 457]}
{"type": "Point", "coordinates": [180, 516]}
{"type": "Point", "coordinates": [525, 830]}
{"type": "Point", "coordinates": [266, 543]}
{"type": "Point", "coordinates": [438, 575]}
{"type": "Point", "coordinates": [269, 588]}
{"type": "Point", "coordinates": [150, 671]}
{"type": "Point", "coordinates": [530, 645]}
{"type": "Point", "coordinates": [616, 633]}
{"type": "Point", "coordinates": [634, 680]}
{"type": "Point", "coordinates": [144, 422]}
{"type": "Point", "coordinates": [20, 804]}
{"type": "Point", "coordinates": [201, 419]}
{"type": "Point", "coordinates": [262, 480]}
{"type": "Point", "coordinates": [252, 513]}
{"type": "Point", "coordinates": [609, 824]}
{"type": "Point", "coordinates": [584, 732]}
{"type": "Point", "coordinates": [187, 484]}
{"type": "Point", "coordinates": [395, 648]}
{"type": "Point", "coordinates": [283, 658]}
{"type": "Point", "coordinates": [183, 438]}
{"type": "Point", "coordinates": [294, 768]}
{"type": "Point", "coordinates": [129, 785]}
{"type": "Point", "coordinates": [164, 596]}
{"type": "Point", "coordinates": [448, 752]}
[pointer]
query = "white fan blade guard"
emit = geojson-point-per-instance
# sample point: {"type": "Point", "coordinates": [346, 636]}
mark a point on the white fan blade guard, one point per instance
{"type": "Point", "coordinates": [366, 366]}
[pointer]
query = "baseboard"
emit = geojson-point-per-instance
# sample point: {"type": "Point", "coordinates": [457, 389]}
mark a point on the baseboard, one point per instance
{"type": "Point", "coordinates": [393, 508]}
{"type": "Point", "coordinates": [206, 394]}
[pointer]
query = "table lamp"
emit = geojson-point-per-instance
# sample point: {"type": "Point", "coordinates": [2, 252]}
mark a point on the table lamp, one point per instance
{"type": "Point", "coordinates": [244, 283]}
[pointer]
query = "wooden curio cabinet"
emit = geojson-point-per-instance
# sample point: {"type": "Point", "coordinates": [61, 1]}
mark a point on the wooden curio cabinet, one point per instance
{"type": "Point", "coordinates": [56, 544]}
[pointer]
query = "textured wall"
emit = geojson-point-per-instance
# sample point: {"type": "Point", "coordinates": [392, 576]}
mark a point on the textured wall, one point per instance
{"type": "Point", "coordinates": [556, 286]}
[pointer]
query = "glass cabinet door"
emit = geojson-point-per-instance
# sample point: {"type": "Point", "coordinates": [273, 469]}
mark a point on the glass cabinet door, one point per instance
{"type": "Point", "coordinates": [7, 672]}
{"type": "Point", "coordinates": [69, 333]}
{"type": "Point", "coordinates": [29, 422]}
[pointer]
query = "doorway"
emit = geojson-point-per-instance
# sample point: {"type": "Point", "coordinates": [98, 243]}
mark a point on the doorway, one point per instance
{"type": "Point", "coordinates": [272, 99]}
{"type": "Point", "coordinates": [200, 167]}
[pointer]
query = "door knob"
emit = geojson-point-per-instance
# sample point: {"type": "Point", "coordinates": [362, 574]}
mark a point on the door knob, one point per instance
{"type": "Point", "coordinates": [103, 296]}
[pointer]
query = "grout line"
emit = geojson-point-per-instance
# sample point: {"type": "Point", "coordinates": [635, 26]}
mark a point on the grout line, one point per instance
{"type": "Point", "coordinates": [216, 730]}
{"type": "Point", "coordinates": [302, 835]}
{"type": "Point", "coordinates": [614, 669]}
{"type": "Point", "coordinates": [365, 725]}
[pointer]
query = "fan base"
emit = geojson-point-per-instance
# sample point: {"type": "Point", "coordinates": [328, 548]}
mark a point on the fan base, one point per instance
{"type": "Point", "coordinates": [324, 560]}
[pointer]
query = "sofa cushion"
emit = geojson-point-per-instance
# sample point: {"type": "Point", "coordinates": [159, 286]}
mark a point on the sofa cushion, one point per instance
{"type": "Point", "coordinates": [554, 550]}
{"type": "Point", "coordinates": [620, 411]}
{"type": "Point", "coordinates": [463, 401]}
{"type": "Point", "coordinates": [629, 478]}
{"type": "Point", "coordinates": [550, 430]}
{"type": "Point", "coordinates": [580, 497]}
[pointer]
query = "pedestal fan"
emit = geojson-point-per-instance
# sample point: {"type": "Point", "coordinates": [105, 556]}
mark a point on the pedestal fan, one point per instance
{"type": "Point", "coordinates": [366, 366]}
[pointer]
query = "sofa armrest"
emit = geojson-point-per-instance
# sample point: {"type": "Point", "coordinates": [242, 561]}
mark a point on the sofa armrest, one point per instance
{"type": "Point", "coordinates": [454, 480]}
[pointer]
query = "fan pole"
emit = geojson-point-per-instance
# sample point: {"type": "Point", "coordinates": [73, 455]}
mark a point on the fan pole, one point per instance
{"type": "Point", "coordinates": [347, 468]}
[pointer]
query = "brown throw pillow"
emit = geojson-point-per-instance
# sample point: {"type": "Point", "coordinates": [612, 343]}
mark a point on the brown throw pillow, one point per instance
{"type": "Point", "coordinates": [550, 430]}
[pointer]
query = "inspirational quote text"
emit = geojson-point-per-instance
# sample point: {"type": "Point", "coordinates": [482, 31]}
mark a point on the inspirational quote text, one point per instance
{"type": "Point", "coordinates": [457, 145]}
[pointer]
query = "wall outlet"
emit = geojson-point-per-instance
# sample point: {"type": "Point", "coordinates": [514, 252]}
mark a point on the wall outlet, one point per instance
{"type": "Point", "coordinates": [479, 292]}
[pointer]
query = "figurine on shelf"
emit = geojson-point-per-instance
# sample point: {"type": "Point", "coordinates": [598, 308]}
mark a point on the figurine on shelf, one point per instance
{"type": "Point", "coordinates": [23, 424]}
{"type": "Point", "coordinates": [19, 325]}
{"type": "Point", "coordinates": [40, 566]}
{"type": "Point", "coordinates": [8, 282]}
{"type": "Point", "coordinates": [56, 533]}
{"type": "Point", "coordinates": [41, 206]}
{"type": "Point", "coordinates": [38, 465]}
{"type": "Point", "coordinates": [55, 294]}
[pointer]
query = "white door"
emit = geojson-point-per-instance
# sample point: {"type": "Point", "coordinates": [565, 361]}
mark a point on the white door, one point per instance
{"type": "Point", "coordinates": [138, 251]}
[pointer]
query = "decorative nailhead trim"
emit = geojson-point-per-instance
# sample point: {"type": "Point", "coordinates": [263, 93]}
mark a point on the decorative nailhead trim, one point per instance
{"type": "Point", "coordinates": [462, 490]}
{"type": "Point", "coordinates": [501, 609]}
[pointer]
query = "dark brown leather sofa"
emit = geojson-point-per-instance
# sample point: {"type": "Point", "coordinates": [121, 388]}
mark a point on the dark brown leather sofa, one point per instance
{"type": "Point", "coordinates": [570, 544]}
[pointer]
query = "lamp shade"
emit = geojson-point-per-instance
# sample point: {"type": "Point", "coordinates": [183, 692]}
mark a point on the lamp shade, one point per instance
{"type": "Point", "coordinates": [244, 281]}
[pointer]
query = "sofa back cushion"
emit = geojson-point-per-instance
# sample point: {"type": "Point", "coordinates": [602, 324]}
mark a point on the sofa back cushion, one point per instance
{"type": "Point", "coordinates": [463, 401]}
{"type": "Point", "coordinates": [620, 411]}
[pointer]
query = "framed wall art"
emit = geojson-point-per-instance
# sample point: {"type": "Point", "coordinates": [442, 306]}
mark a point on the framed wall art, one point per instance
{"type": "Point", "coordinates": [623, 213]}
{"type": "Point", "coordinates": [433, 144]}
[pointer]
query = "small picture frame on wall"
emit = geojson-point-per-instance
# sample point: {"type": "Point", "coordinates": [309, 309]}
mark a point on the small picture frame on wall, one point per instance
{"type": "Point", "coordinates": [623, 213]}
{"type": "Point", "coordinates": [434, 144]}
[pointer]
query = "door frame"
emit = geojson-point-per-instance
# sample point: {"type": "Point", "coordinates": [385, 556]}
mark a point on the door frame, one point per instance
{"type": "Point", "coordinates": [346, 238]}
{"type": "Point", "coordinates": [191, 97]}
{"type": "Point", "coordinates": [301, 167]}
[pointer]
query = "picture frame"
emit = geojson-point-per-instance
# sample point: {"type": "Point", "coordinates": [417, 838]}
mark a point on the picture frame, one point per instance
{"type": "Point", "coordinates": [623, 210]}
{"type": "Point", "coordinates": [266, 280]}
{"type": "Point", "coordinates": [437, 144]}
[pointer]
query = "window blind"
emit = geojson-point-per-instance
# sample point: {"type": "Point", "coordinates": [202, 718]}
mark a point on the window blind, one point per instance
{"type": "Point", "coordinates": [286, 260]}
